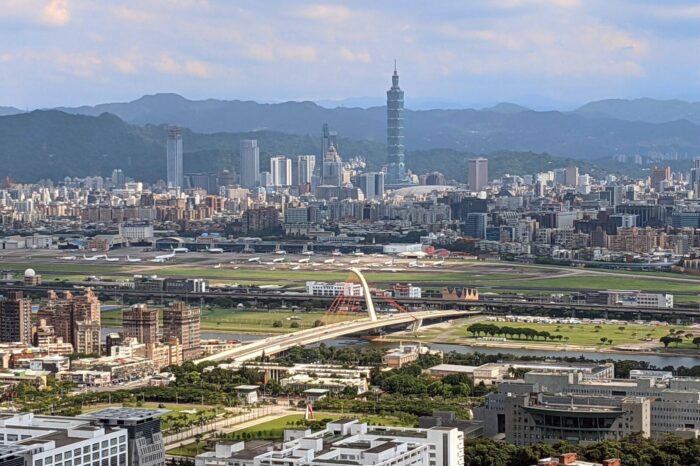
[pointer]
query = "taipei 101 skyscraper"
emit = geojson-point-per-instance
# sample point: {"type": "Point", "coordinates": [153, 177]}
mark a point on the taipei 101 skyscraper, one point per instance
{"type": "Point", "coordinates": [396, 170]}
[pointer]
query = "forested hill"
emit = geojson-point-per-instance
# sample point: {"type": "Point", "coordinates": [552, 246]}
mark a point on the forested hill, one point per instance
{"type": "Point", "coordinates": [53, 145]}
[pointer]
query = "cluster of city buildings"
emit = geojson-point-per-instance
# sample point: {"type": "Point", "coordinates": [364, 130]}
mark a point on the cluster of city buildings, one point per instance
{"type": "Point", "coordinates": [70, 323]}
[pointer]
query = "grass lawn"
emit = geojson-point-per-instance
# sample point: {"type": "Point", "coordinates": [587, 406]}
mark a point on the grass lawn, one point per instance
{"type": "Point", "coordinates": [588, 335]}
{"type": "Point", "coordinates": [78, 268]}
{"type": "Point", "coordinates": [236, 320]}
{"type": "Point", "coordinates": [601, 282]}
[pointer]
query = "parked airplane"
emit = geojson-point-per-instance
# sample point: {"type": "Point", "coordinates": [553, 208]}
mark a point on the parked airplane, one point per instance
{"type": "Point", "coordinates": [164, 257]}
{"type": "Point", "coordinates": [278, 260]}
{"type": "Point", "coordinates": [329, 261]}
{"type": "Point", "coordinates": [304, 260]}
{"type": "Point", "coordinates": [215, 250]}
{"type": "Point", "coordinates": [438, 263]}
{"type": "Point", "coordinates": [308, 253]}
{"type": "Point", "coordinates": [133, 259]}
{"type": "Point", "coordinates": [68, 258]}
{"type": "Point", "coordinates": [217, 266]}
{"type": "Point", "coordinates": [336, 253]}
{"type": "Point", "coordinates": [176, 250]}
{"type": "Point", "coordinates": [280, 251]}
{"type": "Point", "coordinates": [254, 259]}
{"type": "Point", "coordinates": [355, 261]}
{"type": "Point", "coordinates": [358, 253]}
{"type": "Point", "coordinates": [296, 267]}
{"type": "Point", "coordinates": [413, 264]}
{"type": "Point", "coordinates": [111, 259]}
{"type": "Point", "coordinates": [93, 258]}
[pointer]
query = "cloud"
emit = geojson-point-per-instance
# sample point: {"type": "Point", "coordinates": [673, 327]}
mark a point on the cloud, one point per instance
{"type": "Point", "coordinates": [78, 64]}
{"type": "Point", "coordinates": [355, 57]}
{"type": "Point", "coordinates": [325, 13]}
{"type": "Point", "coordinates": [281, 51]}
{"type": "Point", "coordinates": [193, 68]}
{"type": "Point", "coordinates": [132, 15]}
{"type": "Point", "coordinates": [56, 12]}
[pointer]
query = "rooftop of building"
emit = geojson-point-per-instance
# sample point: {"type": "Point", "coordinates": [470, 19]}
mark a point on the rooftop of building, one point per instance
{"type": "Point", "coordinates": [127, 414]}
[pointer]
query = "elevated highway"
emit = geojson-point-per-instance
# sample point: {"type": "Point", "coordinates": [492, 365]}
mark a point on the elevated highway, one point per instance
{"type": "Point", "coordinates": [281, 343]}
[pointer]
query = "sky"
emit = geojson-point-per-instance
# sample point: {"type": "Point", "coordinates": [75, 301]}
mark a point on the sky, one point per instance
{"type": "Point", "coordinates": [546, 54]}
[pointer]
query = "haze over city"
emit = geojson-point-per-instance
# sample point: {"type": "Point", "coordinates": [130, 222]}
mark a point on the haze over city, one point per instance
{"type": "Point", "coordinates": [546, 54]}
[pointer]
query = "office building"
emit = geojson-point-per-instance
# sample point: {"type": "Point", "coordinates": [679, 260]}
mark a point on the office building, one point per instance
{"type": "Point", "coordinates": [348, 442]}
{"type": "Point", "coordinates": [144, 437]}
{"type": "Point", "coordinates": [250, 163]}
{"type": "Point", "coordinates": [475, 225]}
{"type": "Point", "coordinates": [478, 173]}
{"type": "Point", "coordinates": [35, 440]}
{"type": "Point", "coordinates": [141, 323]}
{"type": "Point", "coordinates": [118, 178]}
{"type": "Point", "coordinates": [571, 176]}
{"type": "Point", "coordinates": [281, 171]}
{"type": "Point", "coordinates": [371, 184]}
{"type": "Point", "coordinates": [306, 164]}
{"type": "Point", "coordinates": [16, 318]}
{"type": "Point", "coordinates": [332, 168]}
{"type": "Point", "coordinates": [330, 138]}
{"type": "Point", "coordinates": [136, 231]}
{"type": "Point", "coordinates": [396, 170]}
{"type": "Point", "coordinates": [174, 157]}
{"type": "Point", "coordinates": [183, 322]}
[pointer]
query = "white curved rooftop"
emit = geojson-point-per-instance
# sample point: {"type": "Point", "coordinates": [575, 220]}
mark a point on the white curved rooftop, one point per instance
{"type": "Point", "coordinates": [419, 190]}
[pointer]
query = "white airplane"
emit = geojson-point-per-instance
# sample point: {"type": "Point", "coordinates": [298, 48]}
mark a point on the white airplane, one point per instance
{"type": "Point", "coordinates": [307, 253]}
{"type": "Point", "coordinates": [296, 267]}
{"type": "Point", "coordinates": [304, 260]}
{"type": "Point", "coordinates": [329, 261]}
{"type": "Point", "coordinates": [280, 251]}
{"type": "Point", "coordinates": [164, 257]}
{"type": "Point", "coordinates": [413, 264]}
{"type": "Point", "coordinates": [391, 262]}
{"type": "Point", "coordinates": [185, 250]}
{"type": "Point", "coordinates": [438, 263]}
{"type": "Point", "coordinates": [68, 258]}
{"type": "Point", "coordinates": [358, 253]}
{"type": "Point", "coordinates": [355, 261]}
{"type": "Point", "coordinates": [254, 259]}
{"type": "Point", "coordinates": [133, 259]}
{"type": "Point", "coordinates": [217, 266]}
{"type": "Point", "coordinates": [111, 259]}
{"type": "Point", "coordinates": [92, 258]}
{"type": "Point", "coordinates": [215, 250]}
{"type": "Point", "coordinates": [278, 260]}
{"type": "Point", "coordinates": [159, 260]}
{"type": "Point", "coordinates": [336, 253]}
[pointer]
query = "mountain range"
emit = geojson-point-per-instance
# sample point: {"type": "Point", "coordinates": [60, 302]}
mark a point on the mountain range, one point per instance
{"type": "Point", "coordinates": [596, 130]}
{"type": "Point", "coordinates": [53, 144]}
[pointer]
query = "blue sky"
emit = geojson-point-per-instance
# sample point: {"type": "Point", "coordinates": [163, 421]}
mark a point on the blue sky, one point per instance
{"type": "Point", "coordinates": [541, 53]}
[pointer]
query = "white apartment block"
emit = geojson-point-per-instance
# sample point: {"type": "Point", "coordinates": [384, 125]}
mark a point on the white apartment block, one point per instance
{"type": "Point", "coordinates": [351, 443]}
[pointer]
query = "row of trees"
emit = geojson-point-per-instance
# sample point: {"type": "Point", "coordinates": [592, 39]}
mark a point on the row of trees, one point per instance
{"type": "Point", "coordinates": [511, 332]}
{"type": "Point", "coordinates": [632, 451]}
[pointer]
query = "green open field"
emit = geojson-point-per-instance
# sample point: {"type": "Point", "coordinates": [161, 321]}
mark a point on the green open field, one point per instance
{"type": "Point", "coordinates": [274, 430]}
{"type": "Point", "coordinates": [602, 282]}
{"type": "Point", "coordinates": [236, 320]}
{"type": "Point", "coordinates": [589, 335]}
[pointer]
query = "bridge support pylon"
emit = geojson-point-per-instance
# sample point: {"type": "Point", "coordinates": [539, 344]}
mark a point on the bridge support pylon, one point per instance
{"type": "Point", "coordinates": [416, 325]}
{"type": "Point", "coordinates": [366, 292]}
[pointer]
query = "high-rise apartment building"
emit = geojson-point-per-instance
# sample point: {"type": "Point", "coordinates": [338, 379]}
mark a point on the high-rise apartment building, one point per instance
{"type": "Point", "coordinates": [118, 178]}
{"type": "Point", "coordinates": [658, 175]}
{"type": "Point", "coordinates": [396, 170]}
{"type": "Point", "coordinates": [306, 164]}
{"type": "Point", "coordinates": [183, 322]}
{"type": "Point", "coordinates": [475, 225]}
{"type": "Point", "coordinates": [250, 163]}
{"type": "Point", "coordinates": [281, 171]}
{"type": "Point", "coordinates": [330, 138]}
{"type": "Point", "coordinates": [141, 323]}
{"type": "Point", "coordinates": [75, 319]}
{"type": "Point", "coordinates": [175, 177]}
{"type": "Point", "coordinates": [371, 184]}
{"type": "Point", "coordinates": [478, 173]}
{"type": "Point", "coordinates": [15, 318]}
